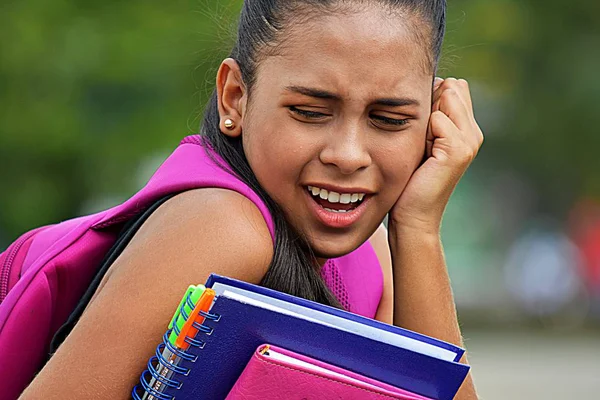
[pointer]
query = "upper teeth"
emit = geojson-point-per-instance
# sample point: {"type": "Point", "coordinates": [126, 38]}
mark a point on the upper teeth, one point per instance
{"type": "Point", "coordinates": [335, 197]}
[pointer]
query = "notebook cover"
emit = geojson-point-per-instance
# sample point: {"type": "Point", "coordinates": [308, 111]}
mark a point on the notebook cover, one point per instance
{"type": "Point", "coordinates": [213, 278]}
{"type": "Point", "coordinates": [243, 327]}
{"type": "Point", "coordinates": [266, 378]}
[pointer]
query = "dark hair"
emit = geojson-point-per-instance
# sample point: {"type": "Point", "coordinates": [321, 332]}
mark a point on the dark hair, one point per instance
{"type": "Point", "coordinates": [293, 269]}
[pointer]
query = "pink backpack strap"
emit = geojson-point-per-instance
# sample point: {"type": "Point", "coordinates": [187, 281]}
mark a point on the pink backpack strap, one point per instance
{"type": "Point", "coordinates": [189, 167]}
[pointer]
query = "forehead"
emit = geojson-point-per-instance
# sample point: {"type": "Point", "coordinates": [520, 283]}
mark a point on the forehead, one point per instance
{"type": "Point", "coordinates": [357, 54]}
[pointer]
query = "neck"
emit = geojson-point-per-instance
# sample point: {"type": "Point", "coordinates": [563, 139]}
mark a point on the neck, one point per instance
{"type": "Point", "coordinates": [321, 262]}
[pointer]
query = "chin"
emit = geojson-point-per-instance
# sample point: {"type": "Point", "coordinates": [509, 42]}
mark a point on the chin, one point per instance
{"type": "Point", "coordinates": [334, 248]}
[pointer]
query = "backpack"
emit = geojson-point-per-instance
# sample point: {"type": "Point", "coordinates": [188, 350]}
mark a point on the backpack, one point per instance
{"type": "Point", "coordinates": [46, 271]}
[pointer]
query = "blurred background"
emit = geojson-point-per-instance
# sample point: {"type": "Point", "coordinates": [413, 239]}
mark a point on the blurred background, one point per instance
{"type": "Point", "coordinates": [95, 94]}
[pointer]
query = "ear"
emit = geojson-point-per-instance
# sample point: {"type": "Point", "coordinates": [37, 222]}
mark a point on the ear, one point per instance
{"type": "Point", "coordinates": [232, 97]}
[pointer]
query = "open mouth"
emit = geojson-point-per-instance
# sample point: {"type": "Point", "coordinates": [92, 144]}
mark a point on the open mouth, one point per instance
{"type": "Point", "coordinates": [336, 202]}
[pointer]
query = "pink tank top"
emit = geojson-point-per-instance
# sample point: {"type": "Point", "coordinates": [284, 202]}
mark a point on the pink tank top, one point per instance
{"type": "Point", "coordinates": [355, 279]}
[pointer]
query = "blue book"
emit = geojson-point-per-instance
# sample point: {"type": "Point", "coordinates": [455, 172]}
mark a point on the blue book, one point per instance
{"type": "Point", "coordinates": [244, 316]}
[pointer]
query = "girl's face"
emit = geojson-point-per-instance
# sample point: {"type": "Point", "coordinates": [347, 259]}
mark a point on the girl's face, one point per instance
{"type": "Point", "coordinates": [336, 124]}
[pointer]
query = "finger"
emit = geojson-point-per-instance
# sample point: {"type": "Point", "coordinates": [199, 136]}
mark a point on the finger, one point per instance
{"type": "Point", "coordinates": [442, 129]}
{"type": "Point", "coordinates": [465, 91]}
{"type": "Point", "coordinates": [473, 135]}
{"type": "Point", "coordinates": [429, 139]}
{"type": "Point", "coordinates": [451, 104]}
{"type": "Point", "coordinates": [437, 91]}
{"type": "Point", "coordinates": [462, 88]}
{"type": "Point", "coordinates": [447, 138]}
{"type": "Point", "coordinates": [437, 82]}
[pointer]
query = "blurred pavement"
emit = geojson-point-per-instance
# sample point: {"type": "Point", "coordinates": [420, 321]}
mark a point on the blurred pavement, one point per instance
{"type": "Point", "coordinates": [519, 366]}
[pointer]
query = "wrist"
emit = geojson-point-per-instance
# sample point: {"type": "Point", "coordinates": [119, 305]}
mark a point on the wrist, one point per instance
{"type": "Point", "coordinates": [410, 236]}
{"type": "Point", "coordinates": [415, 226]}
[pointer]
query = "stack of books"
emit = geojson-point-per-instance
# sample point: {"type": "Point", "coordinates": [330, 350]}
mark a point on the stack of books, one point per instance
{"type": "Point", "coordinates": [233, 340]}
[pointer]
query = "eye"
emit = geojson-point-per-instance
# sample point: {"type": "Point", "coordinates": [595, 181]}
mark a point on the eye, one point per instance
{"type": "Point", "coordinates": [307, 113]}
{"type": "Point", "coordinates": [389, 121]}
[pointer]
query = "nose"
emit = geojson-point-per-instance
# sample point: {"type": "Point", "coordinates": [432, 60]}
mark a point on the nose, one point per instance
{"type": "Point", "coordinates": [347, 150]}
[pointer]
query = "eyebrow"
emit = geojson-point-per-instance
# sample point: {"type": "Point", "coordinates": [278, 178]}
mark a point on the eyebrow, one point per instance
{"type": "Point", "coordinates": [323, 94]}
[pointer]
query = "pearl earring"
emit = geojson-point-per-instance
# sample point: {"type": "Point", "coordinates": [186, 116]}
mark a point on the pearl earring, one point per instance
{"type": "Point", "coordinates": [229, 124]}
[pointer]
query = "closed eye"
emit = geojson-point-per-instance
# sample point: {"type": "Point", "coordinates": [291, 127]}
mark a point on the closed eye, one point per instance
{"type": "Point", "coordinates": [380, 120]}
{"type": "Point", "coordinates": [390, 121]}
{"type": "Point", "coordinates": [307, 113]}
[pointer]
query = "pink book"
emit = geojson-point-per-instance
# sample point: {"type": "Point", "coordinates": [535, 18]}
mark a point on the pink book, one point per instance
{"type": "Point", "coordinates": [274, 373]}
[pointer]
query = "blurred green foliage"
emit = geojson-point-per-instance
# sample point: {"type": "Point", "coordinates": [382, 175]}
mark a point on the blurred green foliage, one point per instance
{"type": "Point", "coordinates": [538, 63]}
{"type": "Point", "coordinates": [89, 89]}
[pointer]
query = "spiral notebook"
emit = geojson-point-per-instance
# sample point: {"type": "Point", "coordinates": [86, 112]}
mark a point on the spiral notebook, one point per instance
{"type": "Point", "coordinates": [244, 316]}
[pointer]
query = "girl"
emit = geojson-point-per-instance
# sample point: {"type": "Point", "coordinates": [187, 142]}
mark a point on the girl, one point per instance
{"type": "Point", "coordinates": [330, 112]}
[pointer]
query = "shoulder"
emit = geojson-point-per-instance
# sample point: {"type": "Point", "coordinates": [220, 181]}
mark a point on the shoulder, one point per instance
{"type": "Point", "coordinates": [192, 235]}
{"type": "Point", "coordinates": [207, 223]}
{"type": "Point", "coordinates": [224, 208]}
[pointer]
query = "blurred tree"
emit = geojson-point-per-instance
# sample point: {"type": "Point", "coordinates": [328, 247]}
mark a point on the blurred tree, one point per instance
{"type": "Point", "coordinates": [536, 64]}
{"type": "Point", "coordinates": [90, 89]}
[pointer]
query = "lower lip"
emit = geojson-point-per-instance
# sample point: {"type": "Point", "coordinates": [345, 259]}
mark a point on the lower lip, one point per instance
{"type": "Point", "coordinates": [337, 220]}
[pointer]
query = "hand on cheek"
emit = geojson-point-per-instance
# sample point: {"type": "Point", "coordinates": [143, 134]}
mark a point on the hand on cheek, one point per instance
{"type": "Point", "coordinates": [453, 141]}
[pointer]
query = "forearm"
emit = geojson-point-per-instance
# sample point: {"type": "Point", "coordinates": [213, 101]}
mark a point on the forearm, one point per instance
{"type": "Point", "coordinates": [423, 300]}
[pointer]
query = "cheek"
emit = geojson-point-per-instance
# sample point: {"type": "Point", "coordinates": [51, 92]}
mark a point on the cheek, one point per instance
{"type": "Point", "coordinates": [400, 161]}
{"type": "Point", "coordinates": [274, 160]}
